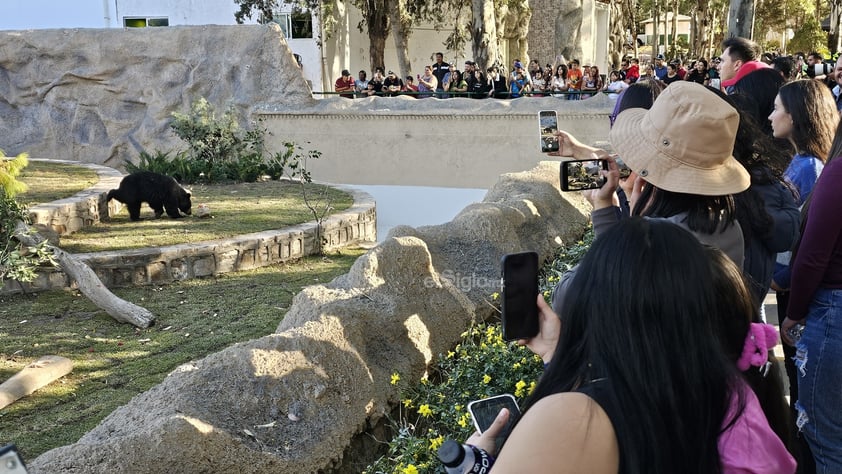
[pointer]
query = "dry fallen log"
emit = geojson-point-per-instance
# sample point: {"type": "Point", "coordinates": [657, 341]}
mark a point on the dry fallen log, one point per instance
{"type": "Point", "coordinates": [89, 284]}
{"type": "Point", "coordinates": [34, 376]}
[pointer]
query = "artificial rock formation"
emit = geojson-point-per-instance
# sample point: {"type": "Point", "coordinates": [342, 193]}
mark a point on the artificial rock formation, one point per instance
{"type": "Point", "coordinates": [293, 401]}
{"type": "Point", "coordinates": [102, 95]}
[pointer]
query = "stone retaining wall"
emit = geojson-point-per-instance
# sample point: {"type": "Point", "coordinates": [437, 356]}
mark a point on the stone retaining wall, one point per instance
{"type": "Point", "coordinates": [185, 261]}
{"type": "Point", "coordinates": [84, 208]}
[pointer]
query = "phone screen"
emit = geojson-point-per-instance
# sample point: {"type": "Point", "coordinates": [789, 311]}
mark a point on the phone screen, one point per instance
{"type": "Point", "coordinates": [10, 460]}
{"type": "Point", "coordinates": [520, 292]}
{"type": "Point", "coordinates": [548, 126]}
{"type": "Point", "coordinates": [578, 175]}
{"type": "Point", "coordinates": [486, 410]}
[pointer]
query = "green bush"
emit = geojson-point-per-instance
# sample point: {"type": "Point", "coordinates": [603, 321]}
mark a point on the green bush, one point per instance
{"type": "Point", "coordinates": [481, 365]}
{"type": "Point", "coordinates": [220, 150]}
{"type": "Point", "coordinates": [17, 261]}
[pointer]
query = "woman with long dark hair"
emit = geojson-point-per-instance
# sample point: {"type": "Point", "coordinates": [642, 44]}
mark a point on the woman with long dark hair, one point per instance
{"type": "Point", "coordinates": [815, 302]}
{"type": "Point", "coordinates": [805, 115]}
{"type": "Point", "coordinates": [637, 379]}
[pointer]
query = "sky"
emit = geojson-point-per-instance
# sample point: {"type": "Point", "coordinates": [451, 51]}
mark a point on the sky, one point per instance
{"type": "Point", "coordinates": [36, 14]}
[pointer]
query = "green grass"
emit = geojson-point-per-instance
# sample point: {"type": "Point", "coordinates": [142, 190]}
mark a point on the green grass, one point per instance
{"type": "Point", "coordinates": [113, 362]}
{"type": "Point", "coordinates": [236, 209]}
{"type": "Point", "coordinates": [53, 181]}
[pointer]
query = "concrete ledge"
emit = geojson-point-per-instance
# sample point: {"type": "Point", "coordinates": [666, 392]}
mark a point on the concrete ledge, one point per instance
{"type": "Point", "coordinates": [84, 208]}
{"type": "Point", "coordinates": [157, 265]}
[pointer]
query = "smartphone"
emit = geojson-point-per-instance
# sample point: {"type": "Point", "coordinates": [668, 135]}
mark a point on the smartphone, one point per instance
{"type": "Point", "coordinates": [578, 175]}
{"type": "Point", "coordinates": [520, 292]}
{"type": "Point", "coordinates": [548, 126]}
{"type": "Point", "coordinates": [10, 460]}
{"type": "Point", "coordinates": [486, 410]}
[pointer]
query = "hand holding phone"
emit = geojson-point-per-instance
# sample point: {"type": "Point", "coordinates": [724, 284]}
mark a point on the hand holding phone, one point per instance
{"type": "Point", "coordinates": [579, 175]}
{"type": "Point", "coordinates": [520, 289]}
{"type": "Point", "coordinates": [485, 411]}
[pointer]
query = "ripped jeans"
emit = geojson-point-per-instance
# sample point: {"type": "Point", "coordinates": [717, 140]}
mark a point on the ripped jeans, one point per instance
{"type": "Point", "coordinates": [818, 361]}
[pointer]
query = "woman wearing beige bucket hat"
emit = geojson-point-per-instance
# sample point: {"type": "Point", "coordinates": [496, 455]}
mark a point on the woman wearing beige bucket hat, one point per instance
{"type": "Point", "coordinates": [680, 151]}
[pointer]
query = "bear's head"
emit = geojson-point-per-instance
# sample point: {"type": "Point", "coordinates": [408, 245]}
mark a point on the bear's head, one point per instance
{"type": "Point", "coordinates": [184, 203]}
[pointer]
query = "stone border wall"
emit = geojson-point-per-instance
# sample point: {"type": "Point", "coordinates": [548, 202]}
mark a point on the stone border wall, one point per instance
{"type": "Point", "coordinates": [159, 265]}
{"type": "Point", "coordinates": [84, 208]}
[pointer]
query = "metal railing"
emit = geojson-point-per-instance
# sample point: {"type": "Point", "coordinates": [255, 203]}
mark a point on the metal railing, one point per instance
{"type": "Point", "coordinates": [569, 95]}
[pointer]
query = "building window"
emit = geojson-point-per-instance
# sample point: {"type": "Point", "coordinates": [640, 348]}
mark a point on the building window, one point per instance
{"type": "Point", "coordinates": [298, 24]}
{"type": "Point", "coordinates": [143, 22]}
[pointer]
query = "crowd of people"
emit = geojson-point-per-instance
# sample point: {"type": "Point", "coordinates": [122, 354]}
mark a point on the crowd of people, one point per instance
{"type": "Point", "coordinates": [575, 81]}
{"type": "Point", "coordinates": [657, 354]}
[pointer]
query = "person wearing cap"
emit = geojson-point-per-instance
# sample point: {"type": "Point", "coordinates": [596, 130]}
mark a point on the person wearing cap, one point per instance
{"type": "Point", "coordinates": [660, 68]}
{"type": "Point", "coordinates": [680, 151]}
{"type": "Point", "coordinates": [345, 84]}
{"type": "Point", "coordinates": [739, 57]}
{"type": "Point", "coordinates": [517, 67]}
{"type": "Point", "coordinates": [392, 85]}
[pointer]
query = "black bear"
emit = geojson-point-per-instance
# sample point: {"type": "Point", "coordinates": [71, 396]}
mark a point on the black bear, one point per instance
{"type": "Point", "coordinates": [159, 191]}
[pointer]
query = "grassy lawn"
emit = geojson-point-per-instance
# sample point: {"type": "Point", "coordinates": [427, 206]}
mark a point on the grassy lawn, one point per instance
{"type": "Point", "coordinates": [113, 362]}
{"type": "Point", "coordinates": [236, 209]}
{"type": "Point", "coordinates": [53, 181]}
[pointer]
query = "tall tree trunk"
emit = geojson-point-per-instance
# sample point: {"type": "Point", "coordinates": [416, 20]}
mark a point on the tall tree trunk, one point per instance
{"type": "Point", "coordinates": [484, 34]}
{"type": "Point", "coordinates": [833, 39]}
{"type": "Point", "coordinates": [401, 29]}
{"type": "Point", "coordinates": [675, 27]}
{"type": "Point", "coordinates": [617, 35]}
{"type": "Point", "coordinates": [701, 29]}
{"type": "Point", "coordinates": [741, 18]}
{"type": "Point", "coordinates": [377, 21]}
{"type": "Point", "coordinates": [656, 24]}
{"type": "Point", "coordinates": [630, 12]}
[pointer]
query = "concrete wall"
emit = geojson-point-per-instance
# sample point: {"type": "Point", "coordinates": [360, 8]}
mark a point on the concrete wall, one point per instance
{"type": "Point", "coordinates": [462, 143]}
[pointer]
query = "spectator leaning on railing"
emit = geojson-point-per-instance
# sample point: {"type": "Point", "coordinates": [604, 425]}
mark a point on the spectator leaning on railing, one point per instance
{"type": "Point", "coordinates": [345, 84]}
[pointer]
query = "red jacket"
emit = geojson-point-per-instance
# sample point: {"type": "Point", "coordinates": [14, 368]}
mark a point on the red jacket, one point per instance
{"type": "Point", "coordinates": [743, 71]}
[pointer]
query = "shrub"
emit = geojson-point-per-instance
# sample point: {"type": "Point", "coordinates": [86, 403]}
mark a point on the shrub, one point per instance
{"type": "Point", "coordinates": [17, 262]}
{"type": "Point", "coordinates": [219, 150]}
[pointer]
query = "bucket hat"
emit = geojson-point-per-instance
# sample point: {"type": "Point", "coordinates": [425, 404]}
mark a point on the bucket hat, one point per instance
{"type": "Point", "coordinates": [684, 143]}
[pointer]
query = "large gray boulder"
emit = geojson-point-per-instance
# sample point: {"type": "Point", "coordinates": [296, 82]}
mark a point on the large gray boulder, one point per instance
{"type": "Point", "coordinates": [102, 95]}
{"type": "Point", "coordinates": [295, 401]}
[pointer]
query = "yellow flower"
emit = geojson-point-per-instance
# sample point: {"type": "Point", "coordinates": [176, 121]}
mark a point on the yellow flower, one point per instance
{"type": "Point", "coordinates": [395, 378]}
{"type": "Point", "coordinates": [410, 469]}
{"type": "Point", "coordinates": [436, 442]}
{"type": "Point", "coordinates": [495, 296]}
{"type": "Point", "coordinates": [457, 407]}
{"type": "Point", "coordinates": [519, 386]}
{"type": "Point", "coordinates": [516, 365]}
{"type": "Point", "coordinates": [486, 379]}
{"type": "Point", "coordinates": [450, 354]}
{"type": "Point", "coordinates": [424, 410]}
{"type": "Point", "coordinates": [531, 388]}
{"type": "Point", "coordinates": [463, 420]}
{"type": "Point", "coordinates": [407, 403]}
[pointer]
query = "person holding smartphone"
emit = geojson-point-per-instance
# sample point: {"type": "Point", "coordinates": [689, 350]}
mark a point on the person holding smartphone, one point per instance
{"type": "Point", "coordinates": [637, 379]}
